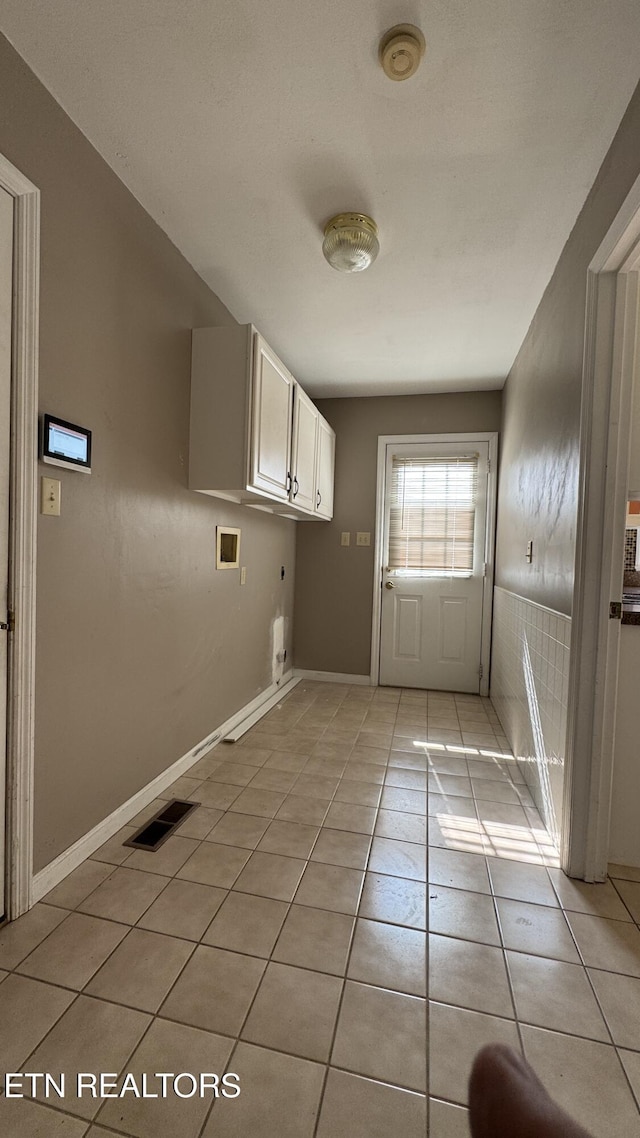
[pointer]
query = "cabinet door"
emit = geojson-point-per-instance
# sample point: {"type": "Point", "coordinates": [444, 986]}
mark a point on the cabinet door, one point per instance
{"type": "Point", "coordinates": [304, 447]}
{"type": "Point", "coordinates": [325, 465]}
{"type": "Point", "coordinates": [271, 406]}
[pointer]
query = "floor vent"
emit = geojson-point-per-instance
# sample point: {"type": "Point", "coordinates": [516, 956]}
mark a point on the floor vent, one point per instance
{"type": "Point", "coordinates": [156, 831]}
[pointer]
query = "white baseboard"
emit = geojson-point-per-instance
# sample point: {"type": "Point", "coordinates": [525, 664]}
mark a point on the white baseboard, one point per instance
{"type": "Point", "coordinates": [332, 677]}
{"type": "Point", "coordinates": [56, 871]}
{"type": "Point", "coordinates": [253, 715]}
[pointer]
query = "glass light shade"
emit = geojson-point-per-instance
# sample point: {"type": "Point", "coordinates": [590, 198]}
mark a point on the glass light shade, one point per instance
{"type": "Point", "coordinates": [351, 242]}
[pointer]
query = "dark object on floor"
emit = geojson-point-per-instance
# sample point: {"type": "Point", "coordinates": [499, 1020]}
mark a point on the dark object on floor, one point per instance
{"type": "Point", "coordinates": [163, 824]}
{"type": "Point", "coordinates": [507, 1100]}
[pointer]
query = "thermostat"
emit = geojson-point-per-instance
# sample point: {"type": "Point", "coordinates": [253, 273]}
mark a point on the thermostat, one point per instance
{"type": "Point", "coordinates": [66, 444]}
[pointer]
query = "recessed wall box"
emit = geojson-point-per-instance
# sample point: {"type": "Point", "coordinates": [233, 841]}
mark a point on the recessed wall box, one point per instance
{"type": "Point", "coordinates": [227, 547]}
{"type": "Point", "coordinates": [65, 444]}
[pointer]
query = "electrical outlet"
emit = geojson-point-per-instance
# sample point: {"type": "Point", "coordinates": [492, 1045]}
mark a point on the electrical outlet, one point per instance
{"type": "Point", "coordinates": [345, 538]}
{"type": "Point", "coordinates": [363, 538]}
{"type": "Point", "coordinates": [243, 575]}
{"type": "Point", "coordinates": [50, 496]}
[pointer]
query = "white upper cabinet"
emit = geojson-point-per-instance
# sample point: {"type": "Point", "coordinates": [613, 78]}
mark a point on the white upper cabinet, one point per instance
{"type": "Point", "coordinates": [304, 451]}
{"type": "Point", "coordinates": [255, 436]}
{"type": "Point", "coordinates": [324, 469]}
{"type": "Point", "coordinates": [271, 409]}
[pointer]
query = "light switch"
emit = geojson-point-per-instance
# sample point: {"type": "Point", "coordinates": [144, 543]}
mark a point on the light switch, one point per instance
{"type": "Point", "coordinates": [345, 538]}
{"type": "Point", "coordinates": [50, 496]}
{"type": "Point", "coordinates": [363, 538]}
{"type": "Point", "coordinates": [243, 575]}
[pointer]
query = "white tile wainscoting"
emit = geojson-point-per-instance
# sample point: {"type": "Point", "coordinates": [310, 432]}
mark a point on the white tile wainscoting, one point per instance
{"type": "Point", "coordinates": [529, 686]}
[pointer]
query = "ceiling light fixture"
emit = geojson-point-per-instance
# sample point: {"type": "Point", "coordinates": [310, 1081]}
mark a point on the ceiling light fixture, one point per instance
{"type": "Point", "coordinates": [351, 242]}
{"type": "Point", "coordinates": [401, 51]}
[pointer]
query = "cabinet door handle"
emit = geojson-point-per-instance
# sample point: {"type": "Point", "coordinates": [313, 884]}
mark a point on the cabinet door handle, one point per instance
{"type": "Point", "coordinates": [288, 487]}
{"type": "Point", "coordinates": [319, 500]}
{"type": "Point", "coordinates": [296, 487]}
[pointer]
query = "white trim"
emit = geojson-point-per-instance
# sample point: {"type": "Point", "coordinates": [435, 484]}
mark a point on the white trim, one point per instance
{"type": "Point", "coordinates": [332, 677]}
{"type": "Point", "coordinates": [55, 872]}
{"type": "Point", "coordinates": [621, 241]}
{"type": "Point", "coordinates": [491, 437]}
{"type": "Point", "coordinates": [258, 707]}
{"type": "Point", "coordinates": [611, 328]}
{"type": "Point", "coordinates": [490, 548]}
{"type": "Point", "coordinates": [377, 552]}
{"type": "Point", "coordinates": [22, 600]}
{"type": "Point", "coordinates": [532, 604]}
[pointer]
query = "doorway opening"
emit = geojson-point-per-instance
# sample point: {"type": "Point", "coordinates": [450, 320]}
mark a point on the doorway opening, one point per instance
{"type": "Point", "coordinates": [433, 565]}
{"type": "Point", "coordinates": [609, 408]}
{"type": "Point", "coordinates": [18, 478]}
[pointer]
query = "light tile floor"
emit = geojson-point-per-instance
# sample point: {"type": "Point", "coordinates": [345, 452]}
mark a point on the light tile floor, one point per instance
{"type": "Point", "coordinates": [281, 934]}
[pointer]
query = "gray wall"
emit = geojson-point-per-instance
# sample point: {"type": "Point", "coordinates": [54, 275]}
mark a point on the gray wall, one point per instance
{"type": "Point", "coordinates": [142, 647]}
{"type": "Point", "coordinates": [537, 497]}
{"type": "Point", "coordinates": [334, 585]}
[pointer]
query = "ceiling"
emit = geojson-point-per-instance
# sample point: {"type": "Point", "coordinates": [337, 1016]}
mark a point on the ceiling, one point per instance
{"type": "Point", "coordinates": [242, 127]}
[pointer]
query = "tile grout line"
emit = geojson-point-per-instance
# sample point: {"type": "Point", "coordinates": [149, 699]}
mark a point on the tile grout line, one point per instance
{"type": "Point", "coordinates": [346, 970]}
{"type": "Point", "coordinates": [601, 1009]}
{"type": "Point", "coordinates": [356, 914]}
{"type": "Point", "coordinates": [493, 896]}
{"type": "Point", "coordinates": [583, 966]}
{"type": "Point", "coordinates": [271, 960]}
{"type": "Point", "coordinates": [237, 1037]}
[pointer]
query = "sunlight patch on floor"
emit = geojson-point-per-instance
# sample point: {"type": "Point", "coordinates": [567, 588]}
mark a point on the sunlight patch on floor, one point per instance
{"type": "Point", "coordinates": [496, 839]}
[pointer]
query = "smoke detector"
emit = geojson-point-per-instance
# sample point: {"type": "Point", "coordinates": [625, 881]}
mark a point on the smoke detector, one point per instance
{"type": "Point", "coordinates": [401, 51]}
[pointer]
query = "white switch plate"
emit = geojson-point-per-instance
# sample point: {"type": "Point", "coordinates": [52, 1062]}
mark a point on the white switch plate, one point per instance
{"type": "Point", "coordinates": [345, 538]}
{"type": "Point", "coordinates": [243, 575]}
{"type": "Point", "coordinates": [50, 496]}
{"type": "Point", "coordinates": [363, 538]}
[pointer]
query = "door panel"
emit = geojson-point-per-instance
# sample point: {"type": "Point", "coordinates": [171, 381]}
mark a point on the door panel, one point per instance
{"type": "Point", "coordinates": [272, 399]}
{"type": "Point", "coordinates": [6, 281]}
{"type": "Point", "coordinates": [305, 444]}
{"type": "Point", "coordinates": [431, 618]}
{"type": "Point", "coordinates": [407, 616]}
{"type": "Point", "coordinates": [454, 617]}
{"type": "Point", "coordinates": [325, 472]}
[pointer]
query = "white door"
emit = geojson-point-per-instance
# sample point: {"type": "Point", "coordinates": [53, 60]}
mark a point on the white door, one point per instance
{"type": "Point", "coordinates": [325, 471]}
{"type": "Point", "coordinates": [303, 453]}
{"type": "Point", "coordinates": [434, 563]}
{"type": "Point", "coordinates": [6, 280]}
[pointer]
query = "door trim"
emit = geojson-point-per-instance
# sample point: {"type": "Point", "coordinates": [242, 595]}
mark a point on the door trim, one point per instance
{"type": "Point", "coordinates": [611, 331]}
{"type": "Point", "coordinates": [466, 438]}
{"type": "Point", "coordinates": [23, 522]}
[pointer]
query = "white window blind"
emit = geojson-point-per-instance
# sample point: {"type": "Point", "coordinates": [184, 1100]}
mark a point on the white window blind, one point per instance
{"type": "Point", "coordinates": [432, 515]}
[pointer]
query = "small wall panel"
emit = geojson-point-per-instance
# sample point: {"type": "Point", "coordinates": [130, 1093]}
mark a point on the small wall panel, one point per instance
{"type": "Point", "coordinates": [407, 619]}
{"type": "Point", "coordinates": [453, 629]}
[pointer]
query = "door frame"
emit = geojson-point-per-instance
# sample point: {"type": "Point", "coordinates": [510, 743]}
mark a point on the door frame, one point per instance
{"type": "Point", "coordinates": [610, 364]}
{"type": "Point", "coordinates": [467, 438]}
{"type": "Point", "coordinates": [22, 538]}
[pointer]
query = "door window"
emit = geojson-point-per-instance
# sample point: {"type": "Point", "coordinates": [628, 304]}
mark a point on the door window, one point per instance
{"type": "Point", "coordinates": [432, 512]}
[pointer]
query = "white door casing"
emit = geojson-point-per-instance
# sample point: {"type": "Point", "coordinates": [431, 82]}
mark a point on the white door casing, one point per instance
{"type": "Point", "coordinates": [6, 307]}
{"type": "Point", "coordinates": [610, 368]}
{"type": "Point", "coordinates": [434, 631]}
{"type": "Point", "coordinates": [23, 519]}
